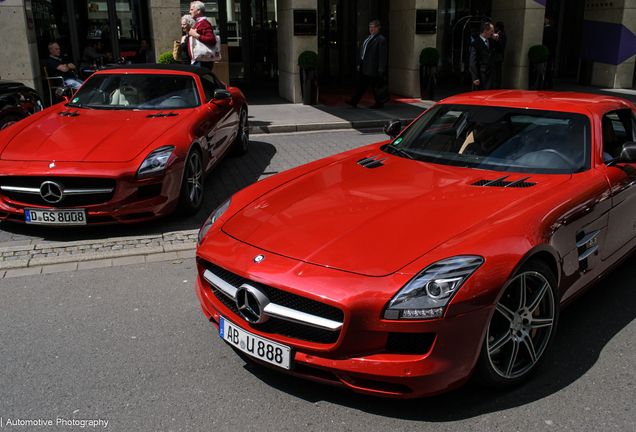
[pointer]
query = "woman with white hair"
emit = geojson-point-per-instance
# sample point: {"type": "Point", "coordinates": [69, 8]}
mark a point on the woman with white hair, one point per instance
{"type": "Point", "coordinates": [202, 30]}
{"type": "Point", "coordinates": [186, 24]}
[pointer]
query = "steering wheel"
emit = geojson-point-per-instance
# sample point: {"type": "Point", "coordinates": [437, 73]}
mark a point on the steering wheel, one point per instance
{"type": "Point", "coordinates": [175, 101]}
{"type": "Point", "coordinates": [560, 155]}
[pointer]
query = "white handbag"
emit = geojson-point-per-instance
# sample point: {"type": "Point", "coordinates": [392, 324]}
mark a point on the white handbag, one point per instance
{"type": "Point", "coordinates": [201, 52]}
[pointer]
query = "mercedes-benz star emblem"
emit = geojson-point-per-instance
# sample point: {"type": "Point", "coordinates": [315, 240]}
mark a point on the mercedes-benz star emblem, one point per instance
{"type": "Point", "coordinates": [51, 192]}
{"type": "Point", "coordinates": [52, 165]}
{"type": "Point", "coordinates": [259, 258]}
{"type": "Point", "coordinates": [251, 304]}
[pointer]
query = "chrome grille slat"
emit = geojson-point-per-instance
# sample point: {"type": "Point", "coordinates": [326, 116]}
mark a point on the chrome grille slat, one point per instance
{"type": "Point", "coordinates": [276, 310]}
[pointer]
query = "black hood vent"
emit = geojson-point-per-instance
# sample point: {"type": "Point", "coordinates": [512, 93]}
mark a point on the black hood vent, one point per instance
{"type": "Point", "coordinates": [372, 162]}
{"type": "Point", "coordinates": [70, 113]}
{"type": "Point", "coordinates": [162, 114]}
{"type": "Point", "coordinates": [502, 182]}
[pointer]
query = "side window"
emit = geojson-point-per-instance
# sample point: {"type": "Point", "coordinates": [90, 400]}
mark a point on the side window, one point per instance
{"type": "Point", "coordinates": [618, 128]}
{"type": "Point", "coordinates": [209, 86]}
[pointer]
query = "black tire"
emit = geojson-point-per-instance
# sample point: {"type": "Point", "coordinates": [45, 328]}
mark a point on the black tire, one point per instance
{"type": "Point", "coordinates": [241, 143]}
{"type": "Point", "coordinates": [191, 197]}
{"type": "Point", "coordinates": [521, 329]}
{"type": "Point", "coordinates": [9, 120]}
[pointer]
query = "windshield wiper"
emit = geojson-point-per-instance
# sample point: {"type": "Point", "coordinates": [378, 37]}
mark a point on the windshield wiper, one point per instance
{"type": "Point", "coordinates": [79, 106]}
{"type": "Point", "coordinates": [400, 151]}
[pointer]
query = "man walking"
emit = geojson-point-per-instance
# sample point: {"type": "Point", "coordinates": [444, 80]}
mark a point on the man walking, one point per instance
{"type": "Point", "coordinates": [202, 31]}
{"type": "Point", "coordinates": [373, 57]}
{"type": "Point", "coordinates": [481, 58]}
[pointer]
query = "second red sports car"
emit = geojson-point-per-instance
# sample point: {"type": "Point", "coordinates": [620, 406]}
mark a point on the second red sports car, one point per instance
{"type": "Point", "coordinates": [134, 143]}
{"type": "Point", "coordinates": [405, 267]}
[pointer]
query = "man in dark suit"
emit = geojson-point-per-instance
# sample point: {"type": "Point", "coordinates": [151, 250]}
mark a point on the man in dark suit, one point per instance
{"type": "Point", "coordinates": [482, 58]}
{"type": "Point", "coordinates": [373, 57]}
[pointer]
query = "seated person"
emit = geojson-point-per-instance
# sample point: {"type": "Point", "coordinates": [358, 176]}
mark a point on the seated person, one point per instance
{"type": "Point", "coordinates": [56, 66]}
{"type": "Point", "coordinates": [92, 53]}
{"type": "Point", "coordinates": [145, 54]}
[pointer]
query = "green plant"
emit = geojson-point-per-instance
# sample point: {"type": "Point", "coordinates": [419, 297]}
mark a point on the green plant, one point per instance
{"type": "Point", "coordinates": [538, 54]}
{"type": "Point", "coordinates": [429, 57]}
{"type": "Point", "coordinates": [308, 60]}
{"type": "Point", "coordinates": [167, 58]}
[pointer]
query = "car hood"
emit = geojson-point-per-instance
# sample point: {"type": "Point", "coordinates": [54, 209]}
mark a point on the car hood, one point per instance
{"type": "Point", "coordinates": [374, 221]}
{"type": "Point", "coordinates": [89, 136]}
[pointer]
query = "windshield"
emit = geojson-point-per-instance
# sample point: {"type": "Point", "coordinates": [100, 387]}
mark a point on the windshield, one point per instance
{"type": "Point", "coordinates": [137, 91]}
{"type": "Point", "coordinates": [499, 139]}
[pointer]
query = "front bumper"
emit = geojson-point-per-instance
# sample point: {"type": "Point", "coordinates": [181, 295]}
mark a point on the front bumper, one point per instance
{"type": "Point", "coordinates": [131, 200]}
{"type": "Point", "coordinates": [370, 355]}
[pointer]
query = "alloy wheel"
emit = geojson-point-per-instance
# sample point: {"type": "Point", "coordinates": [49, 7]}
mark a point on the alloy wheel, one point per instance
{"type": "Point", "coordinates": [194, 177]}
{"type": "Point", "coordinates": [521, 326]}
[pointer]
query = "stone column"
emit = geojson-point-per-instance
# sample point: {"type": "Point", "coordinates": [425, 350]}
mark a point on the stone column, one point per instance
{"type": "Point", "coordinates": [405, 46]}
{"type": "Point", "coordinates": [165, 25]}
{"type": "Point", "coordinates": [20, 60]}
{"type": "Point", "coordinates": [609, 40]}
{"type": "Point", "coordinates": [290, 47]}
{"type": "Point", "coordinates": [523, 20]}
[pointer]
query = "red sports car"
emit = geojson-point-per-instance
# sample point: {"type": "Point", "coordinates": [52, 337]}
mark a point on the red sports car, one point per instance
{"type": "Point", "coordinates": [405, 267]}
{"type": "Point", "coordinates": [134, 143]}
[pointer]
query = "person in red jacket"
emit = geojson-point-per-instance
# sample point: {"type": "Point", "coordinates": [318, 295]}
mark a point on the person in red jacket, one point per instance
{"type": "Point", "coordinates": [202, 30]}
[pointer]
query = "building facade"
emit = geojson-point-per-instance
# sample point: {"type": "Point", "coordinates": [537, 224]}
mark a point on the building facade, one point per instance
{"type": "Point", "coordinates": [263, 38]}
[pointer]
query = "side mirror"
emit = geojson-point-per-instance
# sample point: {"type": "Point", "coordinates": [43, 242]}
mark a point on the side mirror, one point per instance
{"type": "Point", "coordinates": [628, 154]}
{"type": "Point", "coordinates": [393, 128]}
{"type": "Point", "coordinates": [222, 94]}
{"type": "Point", "coordinates": [64, 92]}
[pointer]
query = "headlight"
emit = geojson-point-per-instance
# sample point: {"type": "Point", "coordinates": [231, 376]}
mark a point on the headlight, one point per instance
{"type": "Point", "coordinates": [213, 218]}
{"type": "Point", "coordinates": [428, 293]}
{"type": "Point", "coordinates": [155, 163]}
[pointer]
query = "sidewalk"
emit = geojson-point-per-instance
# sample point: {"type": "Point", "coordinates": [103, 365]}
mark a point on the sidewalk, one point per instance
{"type": "Point", "coordinates": [273, 114]}
{"type": "Point", "coordinates": [282, 117]}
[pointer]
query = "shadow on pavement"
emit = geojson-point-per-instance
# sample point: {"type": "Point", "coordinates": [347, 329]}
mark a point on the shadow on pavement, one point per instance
{"type": "Point", "coordinates": [585, 328]}
{"type": "Point", "coordinates": [231, 175]}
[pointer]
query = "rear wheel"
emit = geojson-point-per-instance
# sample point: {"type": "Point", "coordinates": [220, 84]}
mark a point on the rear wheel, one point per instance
{"type": "Point", "coordinates": [242, 141]}
{"type": "Point", "coordinates": [191, 198]}
{"type": "Point", "coordinates": [521, 328]}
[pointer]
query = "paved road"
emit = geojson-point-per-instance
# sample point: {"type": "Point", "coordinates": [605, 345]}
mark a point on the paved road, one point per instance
{"type": "Point", "coordinates": [34, 249]}
{"type": "Point", "coordinates": [130, 346]}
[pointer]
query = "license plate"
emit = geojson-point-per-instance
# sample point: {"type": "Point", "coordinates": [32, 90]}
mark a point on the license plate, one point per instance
{"type": "Point", "coordinates": [55, 216]}
{"type": "Point", "coordinates": [255, 346]}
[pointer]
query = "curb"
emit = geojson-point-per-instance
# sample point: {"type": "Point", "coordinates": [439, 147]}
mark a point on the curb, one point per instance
{"type": "Point", "coordinates": [42, 255]}
{"type": "Point", "coordinates": [311, 127]}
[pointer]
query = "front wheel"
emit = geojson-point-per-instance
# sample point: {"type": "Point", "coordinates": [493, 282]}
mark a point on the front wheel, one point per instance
{"type": "Point", "coordinates": [191, 197]}
{"type": "Point", "coordinates": [521, 328]}
{"type": "Point", "coordinates": [242, 141]}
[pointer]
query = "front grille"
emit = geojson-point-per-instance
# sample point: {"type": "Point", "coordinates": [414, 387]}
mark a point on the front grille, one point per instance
{"type": "Point", "coordinates": [69, 183]}
{"type": "Point", "coordinates": [293, 301]}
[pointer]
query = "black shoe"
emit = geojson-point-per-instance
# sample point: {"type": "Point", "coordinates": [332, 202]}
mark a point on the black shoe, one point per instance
{"type": "Point", "coordinates": [350, 103]}
{"type": "Point", "coordinates": [377, 106]}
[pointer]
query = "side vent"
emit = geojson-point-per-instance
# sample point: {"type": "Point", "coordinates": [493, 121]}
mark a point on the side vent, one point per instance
{"type": "Point", "coordinates": [70, 113]}
{"type": "Point", "coordinates": [586, 245]}
{"type": "Point", "coordinates": [372, 162]}
{"type": "Point", "coordinates": [502, 182]}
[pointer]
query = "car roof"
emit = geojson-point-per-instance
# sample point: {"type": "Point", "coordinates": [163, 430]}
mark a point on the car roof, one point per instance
{"type": "Point", "coordinates": [542, 100]}
{"type": "Point", "coordinates": [197, 70]}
